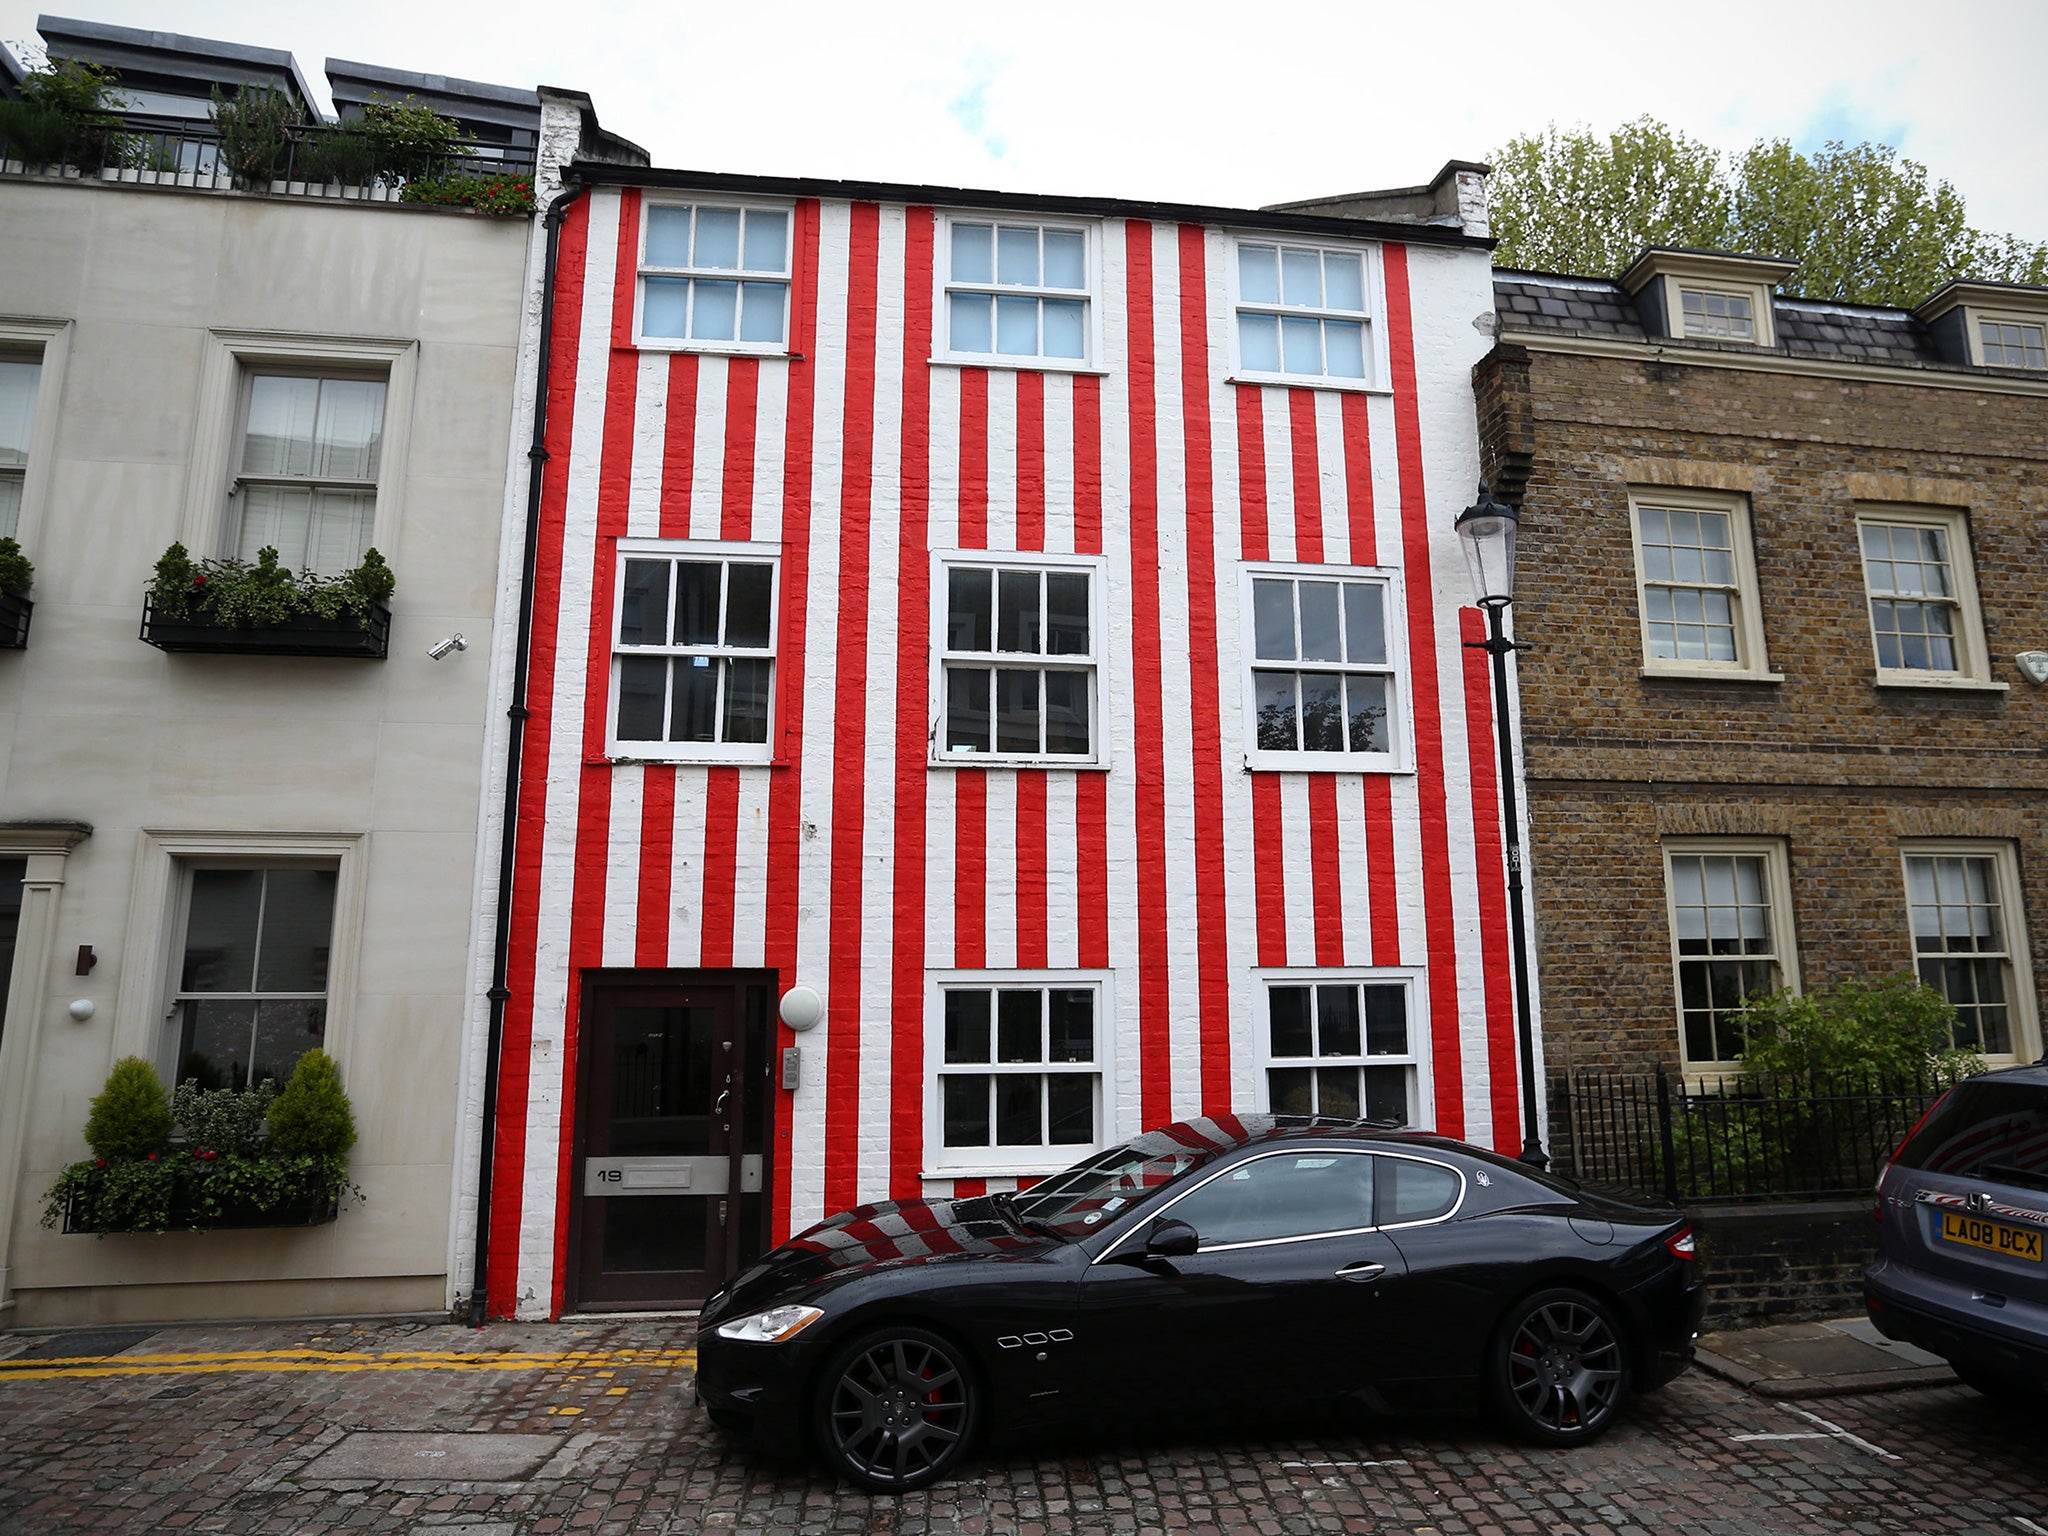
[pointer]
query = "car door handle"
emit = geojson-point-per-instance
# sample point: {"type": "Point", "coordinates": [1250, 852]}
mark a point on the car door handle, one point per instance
{"type": "Point", "coordinates": [1364, 1270]}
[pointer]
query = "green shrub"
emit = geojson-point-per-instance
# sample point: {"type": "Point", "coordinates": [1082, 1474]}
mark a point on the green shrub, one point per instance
{"type": "Point", "coordinates": [66, 114]}
{"type": "Point", "coordinates": [256, 128]}
{"type": "Point", "coordinates": [510, 196]}
{"type": "Point", "coordinates": [131, 1117]}
{"type": "Point", "coordinates": [312, 1117]}
{"type": "Point", "coordinates": [1895, 1029]}
{"type": "Point", "coordinates": [222, 1120]}
{"type": "Point", "coordinates": [342, 154]}
{"type": "Point", "coordinates": [242, 595]}
{"type": "Point", "coordinates": [16, 574]}
{"type": "Point", "coordinates": [408, 140]}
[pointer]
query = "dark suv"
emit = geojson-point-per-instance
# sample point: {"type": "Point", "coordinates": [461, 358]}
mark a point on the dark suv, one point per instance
{"type": "Point", "coordinates": [1963, 1225]}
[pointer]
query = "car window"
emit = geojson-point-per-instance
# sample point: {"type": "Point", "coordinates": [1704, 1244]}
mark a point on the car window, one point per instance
{"type": "Point", "coordinates": [1992, 1130]}
{"type": "Point", "coordinates": [1412, 1191]}
{"type": "Point", "coordinates": [1099, 1186]}
{"type": "Point", "coordinates": [1291, 1194]}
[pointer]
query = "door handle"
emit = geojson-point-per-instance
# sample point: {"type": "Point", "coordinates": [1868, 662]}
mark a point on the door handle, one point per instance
{"type": "Point", "coordinates": [715, 1108]}
{"type": "Point", "coordinates": [1362, 1271]}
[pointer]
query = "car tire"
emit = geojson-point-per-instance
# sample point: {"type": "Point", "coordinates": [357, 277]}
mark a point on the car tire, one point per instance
{"type": "Point", "coordinates": [1558, 1369]}
{"type": "Point", "coordinates": [894, 1409]}
{"type": "Point", "coordinates": [727, 1420]}
{"type": "Point", "coordinates": [2006, 1391]}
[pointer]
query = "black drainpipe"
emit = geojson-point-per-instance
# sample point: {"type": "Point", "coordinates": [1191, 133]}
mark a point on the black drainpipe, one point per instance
{"type": "Point", "coordinates": [536, 465]}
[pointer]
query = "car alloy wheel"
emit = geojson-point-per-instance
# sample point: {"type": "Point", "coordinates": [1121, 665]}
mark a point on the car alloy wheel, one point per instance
{"type": "Point", "coordinates": [895, 1409]}
{"type": "Point", "coordinates": [1560, 1370]}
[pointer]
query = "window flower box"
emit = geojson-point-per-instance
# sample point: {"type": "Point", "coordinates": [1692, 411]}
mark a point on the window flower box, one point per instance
{"type": "Point", "coordinates": [306, 634]}
{"type": "Point", "coordinates": [182, 1190]}
{"type": "Point", "coordinates": [14, 616]}
{"type": "Point", "coordinates": [306, 1208]}
{"type": "Point", "coordinates": [235, 608]}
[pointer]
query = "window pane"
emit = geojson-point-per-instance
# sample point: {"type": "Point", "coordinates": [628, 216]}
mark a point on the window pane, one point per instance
{"type": "Point", "coordinates": [1322, 712]}
{"type": "Point", "coordinates": [767, 241]}
{"type": "Point", "coordinates": [965, 1110]}
{"type": "Point", "coordinates": [748, 592]}
{"type": "Point", "coordinates": [668, 237]}
{"type": "Point", "coordinates": [717, 314]}
{"type": "Point", "coordinates": [970, 607]}
{"type": "Point", "coordinates": [1273, 620]}
{"type": "Point", "coordinates": [1258, 343]}
{"type": "Point", "coordinates": [338, 529]}
{"type": "Point", "coordinates": [1020, 1032]}
{"type": "Point", "coordinates": [1301, 277]}
{"type": "Point", "coordinates": [693, 715]}
{"type": "Point", "coordinates": [643, 681]}
{"type": "Point", "coordinates": [1071, 1023]}
{"type": "Point", "coordinates": [1386, 1094]}
{"type": "Point", "coordinates": [1063, 327]}
{"type": "Point", "coordinates": [1386, 1021]}
{"type": "Point", "coordinates": [216, 1041]}
{"type": "Point", "coordinates": [1066, 614]}
{"type": "Point", "coordinates": [1337, 1021]}
{"type": "Point", "coordinates": [1344, 343]}
{"type": "Point", "coordinates": [220, 931]}
{"type": "Point", "coordinates": [1066, 713]}
{"type": "Point", "coordinates": [643, 603]}
{"type": "Point", "coordinates": [281, 417]}
{"type": "Point", "coordinates": [749, 682]}
{"type": "Point", "coordinates": [349, 429]}
{"type": "Point", "coordinates": [1367, 702]}
{"type": "Point", "coordinates": [1301, 345]}
{"type": "Point", "coordinates": [967, 712]}
{"type": "Point", "coordinates": [1017, 255]}
{"type": "Point", "coordinates": [967, 1015]}
{"type": "Point", "coordinates": [1274, 695]}
{"type": "Point", "coordinates": [1288, 1010]}
{"type": "Point", "coordinates": [665, 307]}
{"type": "Point", "coordinates": [1291, 1091]}
{"type": "Point", "coordinates": [697, 602]}
{"type": "Point", "coordinates": [1017, 710]}
{"type": "Point", "coordinates": [298, 925]}
{"type": "Point", "coordinates": [1419, 1191]}
{"type": "Point", "coordinates": [973, 328]}
{"type": "Point", "coordinates": [1016, 327]}
{"type": "Point", "coordinates": [278, 517]}
{"type": "Point", "coordinates": [286, 1028]}
{"type": "Point", "coordinates": [761, 311]}
{"type": "Point", "coordinates": [1337, 1092]}
{"type": "Point", "coordinates": [1258, 274]}
{"type": "Point", "coordinates": [718, 238]}
{"type": "Point", "coordinates": [1066, 259]}
{"type": "Point", "coordinates": [10, 502]}
{"type": "Point", "coordinates": [973, 261]}
{"type": "Point", "coordinates": [1020, 1110]}
{"type": "Point", "coordinates": [1344, 281]}
{"type": "Point", "coordinates": [1017, 596]}
{"type": "Point", "coordinates": [1320, 635]}
{"type": "Point", "coordinates": [1070, 1109]}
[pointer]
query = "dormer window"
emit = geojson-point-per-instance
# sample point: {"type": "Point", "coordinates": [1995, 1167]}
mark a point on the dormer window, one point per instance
{"type": "Point", "coordinates": [1989, 325]}
{"type": "Point", "coordinates": [1718, 313]}
{"type": "Point", "coordinates": [2011, 344]}
{"type": "Point", "coordinates": [1706, 295]}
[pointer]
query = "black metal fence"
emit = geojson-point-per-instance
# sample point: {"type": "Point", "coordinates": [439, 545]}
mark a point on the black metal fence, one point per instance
{"type": "Point", "coordinates": [1800, 1137]}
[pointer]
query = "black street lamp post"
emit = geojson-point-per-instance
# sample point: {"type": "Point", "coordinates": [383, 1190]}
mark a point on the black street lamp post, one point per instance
{"type": "Point", "coordinates": [1488, 529]}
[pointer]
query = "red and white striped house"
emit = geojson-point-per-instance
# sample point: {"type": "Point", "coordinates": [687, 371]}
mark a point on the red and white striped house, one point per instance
{"type": "Point", "coordinates": [1028, 627]}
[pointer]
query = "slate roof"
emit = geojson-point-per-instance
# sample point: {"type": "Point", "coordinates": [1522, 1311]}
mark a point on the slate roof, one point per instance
{"type": "Point", "coordinates": [1588, 306]}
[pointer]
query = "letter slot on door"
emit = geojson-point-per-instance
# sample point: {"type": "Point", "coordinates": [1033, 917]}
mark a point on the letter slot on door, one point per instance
{"type": "Point", "coordinates": [669, 1175]}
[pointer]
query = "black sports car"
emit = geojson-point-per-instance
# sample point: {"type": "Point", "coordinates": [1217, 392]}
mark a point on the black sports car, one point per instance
{"type": "Point", "coordinates": [1210, 1263]}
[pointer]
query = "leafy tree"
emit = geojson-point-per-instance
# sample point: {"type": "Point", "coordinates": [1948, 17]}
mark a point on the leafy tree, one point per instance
{"type": "Point", "coordinates": [1866, 224]}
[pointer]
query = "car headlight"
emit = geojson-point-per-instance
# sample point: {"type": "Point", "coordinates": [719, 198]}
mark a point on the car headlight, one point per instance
{"type": "Point", "coordinates": [774, 1326]}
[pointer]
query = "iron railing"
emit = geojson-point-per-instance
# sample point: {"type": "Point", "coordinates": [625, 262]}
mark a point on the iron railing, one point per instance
{"type": "Point", "coordinates": [1809, 1136]}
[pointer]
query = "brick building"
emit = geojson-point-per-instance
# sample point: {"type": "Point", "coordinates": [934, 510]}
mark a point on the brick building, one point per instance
{"type": "Point", "coordinates": [1780, 561]}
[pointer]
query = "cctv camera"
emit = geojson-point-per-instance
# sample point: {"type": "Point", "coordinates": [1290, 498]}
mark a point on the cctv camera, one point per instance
{"type": "Point", "coordinates": [441, 648]}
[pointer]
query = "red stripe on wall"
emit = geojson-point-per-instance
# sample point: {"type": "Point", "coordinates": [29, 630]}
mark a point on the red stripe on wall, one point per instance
{"type": "Point", "coordinates": [970, 868]}
{"type": "Point", "coordinates": [1308, 489]}
{"type": "Point", "coordinates": [1212, 897]}
{"type": "Point", "coordinates": [1382, 889]}
{"type": "Point", "coordinates": [1251, 473]}
{"type": "Point", "coordinates": [508, 1136]}
{"type": "Point", "coordinates": [785, 780]}
{"type": "Point", "coordinates": [679, 446]}
{"type": "Point", "coordinates": [626, 289]}
{"type": "Point", "coordinates": [721, 867]}
{"type": "Point", "coordinates": [974, 458]}
{"type": "Point", "coordinates": [742, 397]}
{"type": "Point", "coordinates": [1091, 853]}
{"type": "Point", "coordinates": [1358, 478]}
{"type": "Point", "coordinates": [1269, 867]}
{"type": "Point", "coordinates": [1031, 461]}
{"type": "Point", "coordinates": [969, 1189]}
{"type": "Point", "coordinates": [1031, 870]}
{"type": "Point", "coordinates": [1325, 861]}
{"type": "Point", "coordinates": [1148, 703]}
{"type": "Point", "coordinates": [1439, 911]}
{"type": "Point", "coordinates": [1088, 465]}
{"type": "Point", "coordinates": [913, 631]}
{"type": "Point", "coordinates": [844, 944]}
{"type": "Point", "coordinates": [1503, 1065]}
{"type": "Point", "coordinates": [657, 865]}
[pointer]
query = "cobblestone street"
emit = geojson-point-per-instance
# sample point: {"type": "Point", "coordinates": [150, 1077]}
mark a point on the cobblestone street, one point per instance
{"type": "Point", "coordinates": [522, 1430]}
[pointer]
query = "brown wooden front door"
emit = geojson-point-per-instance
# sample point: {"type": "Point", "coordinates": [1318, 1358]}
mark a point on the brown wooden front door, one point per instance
{"type": "Point", "coordinates": [668, 1194]}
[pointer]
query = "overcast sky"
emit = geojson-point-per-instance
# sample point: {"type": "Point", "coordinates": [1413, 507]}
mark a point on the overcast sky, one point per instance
{"type": "Point", "coordinates": [1235, 105]}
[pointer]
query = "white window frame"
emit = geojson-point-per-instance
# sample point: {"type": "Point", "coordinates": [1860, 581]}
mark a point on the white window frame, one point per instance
{"type": "Point", "coordinates": [1973, 660]}
{"type": "Point", "coordinates": [2022, 1019]}
{"type": "Point", "coordinates": [48, 343]}
{"type": "Point", "coordinates": [943, 1162]}
{"type": "Point", "coordinates": [728, 552]}
{"type": "Point", "coordinates": [1400, 756]}
{"type": "Point", "coordinates": [787, 277]}
{"type": "Point", "coordinates": [1979, 318]}
{"type": "Point", "coordinates": [1759, 300]}
{"type": "Point", "coordinates": [1784, 936]}
{"type": "Point", "coordinates": [1373, 315]}
{"type": "Point", "coordinates": [145, 1020]}
{"type": "Point", "coordinates": [1752, 661]}
{"type": "Point", "coordinates": [1413, 980]}
{"type": "Point", "coordinates": [943, 352]}
{"type": "Point", "coordinates": [1099, 655]}
{"type": "Point", "coordinates": [231, 356]}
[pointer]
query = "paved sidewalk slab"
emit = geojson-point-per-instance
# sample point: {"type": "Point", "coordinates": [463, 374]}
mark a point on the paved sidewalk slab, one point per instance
{"type": "Point", "coordinates": [1826, 1359]}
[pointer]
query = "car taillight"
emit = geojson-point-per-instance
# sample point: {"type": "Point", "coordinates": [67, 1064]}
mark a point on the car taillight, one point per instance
{"type": "Point", "coordinates": [1683, 1245]}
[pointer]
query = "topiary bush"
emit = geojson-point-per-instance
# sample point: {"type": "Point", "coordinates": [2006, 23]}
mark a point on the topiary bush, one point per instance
{"type": "Point", "coordinates": [312, 1117]}
{"type": "Point", "coordinates": [223, 1120]}
{"type": "Point", "coordinates": [131, 1117]}
{"type": "Point", "coordinates": [16, 574]}
{"type": "Point", "coordinates": [1896, 1029]}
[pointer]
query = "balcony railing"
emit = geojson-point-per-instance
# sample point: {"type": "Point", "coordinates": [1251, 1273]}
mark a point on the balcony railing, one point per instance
{"type": "Point", "coordinates": [315, 160]}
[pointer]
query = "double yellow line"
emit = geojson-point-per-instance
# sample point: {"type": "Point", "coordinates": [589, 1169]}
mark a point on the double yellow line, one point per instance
{"type": "Point", "coordinates": [214, 1362]}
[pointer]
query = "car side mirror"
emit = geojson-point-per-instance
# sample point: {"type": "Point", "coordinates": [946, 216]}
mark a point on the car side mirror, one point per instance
{"type": "Point", "coordinates": [1171, 1239]}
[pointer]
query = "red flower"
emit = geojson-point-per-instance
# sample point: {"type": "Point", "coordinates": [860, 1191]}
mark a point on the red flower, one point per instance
{"type": "Point", "coordinates": [199, 580]}
{"type": "Point", "coordinates": [151, 1158]}
{"type": "Point", "coordinates": [100, 1163]}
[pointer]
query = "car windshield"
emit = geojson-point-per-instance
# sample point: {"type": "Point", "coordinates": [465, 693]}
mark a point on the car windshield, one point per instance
{"type": "Point", "coordinates": [1096, 1188]}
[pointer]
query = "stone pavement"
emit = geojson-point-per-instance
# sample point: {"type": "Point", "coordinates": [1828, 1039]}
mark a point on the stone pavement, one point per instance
{"type": "Point", "coordinates": [1829, 1359]}
{"type": "Point", "coordinates": [409, 1429]}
